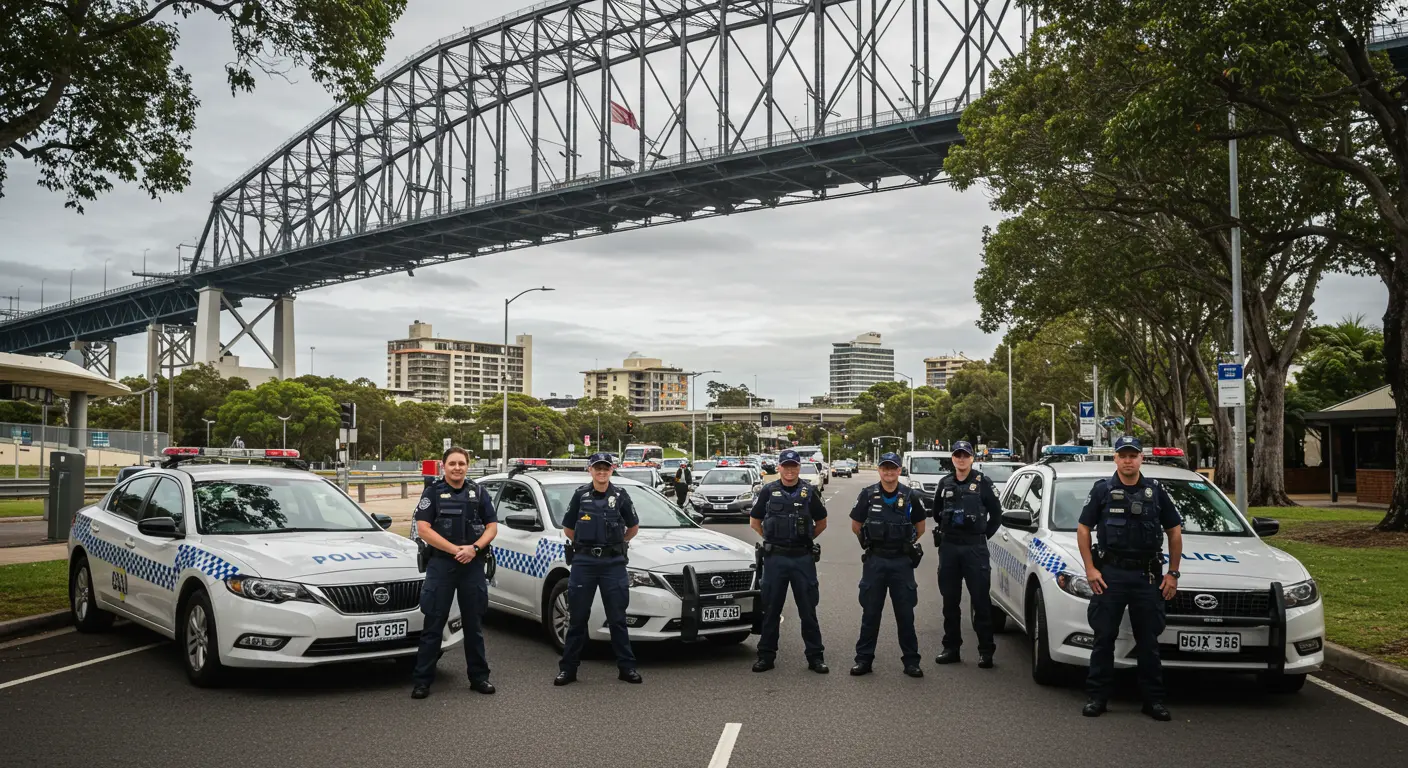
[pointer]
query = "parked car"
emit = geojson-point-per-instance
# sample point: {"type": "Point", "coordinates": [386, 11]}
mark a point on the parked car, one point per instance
{"type": "Point", "coordinates": [648, 476]}
{"type": "Point", "coordinates": [726, 491]}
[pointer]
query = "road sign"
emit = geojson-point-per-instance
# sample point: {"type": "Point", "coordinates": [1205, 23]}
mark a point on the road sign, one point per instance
{"type": "Point", "coordinates": [1087, 420]}
{"type": "Point", "coordinates": [1231, 385]}
{"type": "Point", "coordinates": [909, 437]}
{"type": "Point", "coordinates": [571, 447]}
{"type": "Point", "coordinates": [491, 442]}
{"type": "Point", "coordinates": [587, 441]}
{"type": "Point", "coordinates": [447, 443]}
{"type": "Point", "coordinates": [1110, 422]}
{"type": "Point", "coordinates": [99, 439]}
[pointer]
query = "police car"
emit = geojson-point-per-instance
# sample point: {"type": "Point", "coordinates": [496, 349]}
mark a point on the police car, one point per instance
{"type": "Point", "coordinates": [1241, 605]}
{"type": "Point", "coordinates": [246, 565]}
{"type": "Point", "coordinates": [687, 582]}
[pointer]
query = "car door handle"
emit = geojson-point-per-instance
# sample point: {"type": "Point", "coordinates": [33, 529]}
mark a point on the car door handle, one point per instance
{"type": "Point", "coordinates": [95, 528]}
{"type": "Point", "coordinates": [1006, 537]}
{"type": "Point", "coordinates": [130, 544]}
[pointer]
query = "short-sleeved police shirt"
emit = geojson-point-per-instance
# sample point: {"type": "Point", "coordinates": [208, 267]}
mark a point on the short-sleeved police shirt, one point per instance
{"type": "Point", "coordinates": [428, 508]}
{"type": "Point", "coordinates": [625, 507]}
{"type": "Point", "coordinates": [913, 512]}
{"type": "Point", "coordinates": [1095, 503]}
{"type": "Point", "coordinates": [815, 506]}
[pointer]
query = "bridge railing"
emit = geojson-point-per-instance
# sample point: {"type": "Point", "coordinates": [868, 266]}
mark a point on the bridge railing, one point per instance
{"type": "Point", "coordinates": [21, 313]}
{"type": "Point", "coordinates": [1389, 30]}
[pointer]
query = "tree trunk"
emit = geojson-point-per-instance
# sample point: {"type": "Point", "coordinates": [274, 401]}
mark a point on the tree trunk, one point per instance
{"type": "Point", "coordinates": [1225, 465]}
{"type": "Point", "coordinates": [1396, 368]}
{"type": "Point", "coordinates": [1267, 485]}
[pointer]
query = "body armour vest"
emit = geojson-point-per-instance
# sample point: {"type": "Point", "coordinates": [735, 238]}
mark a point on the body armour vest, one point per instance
{"type": "Point", "coordinates": [962, 504]}
{"type": "Point", "coordinates": [458, 517]}
{"type": "Point", "coordinates": [1129, 523]}
{"type": "Point", "coordinates": [886, 526]}
{"type": "Point", "coordinates": [787, 520]}
{"type": "Point", "coordinates": [599, 519]}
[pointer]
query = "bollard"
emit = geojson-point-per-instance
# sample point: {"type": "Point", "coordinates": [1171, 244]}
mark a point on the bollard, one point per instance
{"type": "Point", "coordinates": [361, 493]}
{"type": "Point", "coordinates": [405, 492]}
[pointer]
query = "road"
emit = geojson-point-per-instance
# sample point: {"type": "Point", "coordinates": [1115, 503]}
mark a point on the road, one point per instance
{"type": "Point", "coordinates": [138, 709]}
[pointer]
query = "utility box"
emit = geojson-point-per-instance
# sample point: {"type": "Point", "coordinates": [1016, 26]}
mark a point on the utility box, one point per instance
{"type": "Point", "coordinates": [67, 472]}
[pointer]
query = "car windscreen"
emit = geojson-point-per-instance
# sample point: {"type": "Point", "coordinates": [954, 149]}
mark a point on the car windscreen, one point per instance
{"type": "Point", "coordinates": [639, 475]}
{"type": "Point", "coordinates": [275, 505]}
{"type": "Point", "coordinates": [998, 473]}
{"type": "Point", "coordinates": [930, 465]}
{"type": "Point", "coordinates": [704, 466]}
{"type": "Point", "coordinates": [653, 509]}
{"type": "Point", "coordinates": [1204, 510]}
{"type": "Point", "coordinates": [727, 477]}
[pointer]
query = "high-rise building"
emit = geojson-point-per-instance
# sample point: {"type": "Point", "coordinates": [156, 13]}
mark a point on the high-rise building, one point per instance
{"type": "Point", "coordinates": [647, 383]}
{"type": "Point", "coordinates": [453, 372]}
{"type": "Point", "coordinates": [938, 370]}
{"type": "Point", "coordinates": [858, 364]}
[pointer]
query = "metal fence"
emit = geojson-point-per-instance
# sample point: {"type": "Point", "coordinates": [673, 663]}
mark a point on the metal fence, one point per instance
{"type": "Point", "coordinates": [45, 436]}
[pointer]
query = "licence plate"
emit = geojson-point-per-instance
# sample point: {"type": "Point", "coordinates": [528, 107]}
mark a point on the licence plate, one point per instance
{"type": "Point", "coordinates": [1210, 642]}
{"type": "Point", "coordinates": [382, 630]}
{"type": "Point", "coordinates": [720, 506]}
{"type": "Point", "coordinates": [723, 613]}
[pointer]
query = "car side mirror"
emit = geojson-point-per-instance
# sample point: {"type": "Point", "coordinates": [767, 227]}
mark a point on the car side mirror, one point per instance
{"type": "Point", "coordinates": [160, 527]}
{"type": "Point", "coordinates": [382, 520]}
{"type": "Point", "coordinates": [523, 521]}
{"type": "Point", "coordinates": [1266, 526]}
{"type": "Point", "coordinates": [904, 472]}
{"type": "Point", "coordinates": [1017, 518]}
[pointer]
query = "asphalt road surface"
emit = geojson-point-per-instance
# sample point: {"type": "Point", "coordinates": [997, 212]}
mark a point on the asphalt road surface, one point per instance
{"type": "Point", "coordinates": [137, 709]}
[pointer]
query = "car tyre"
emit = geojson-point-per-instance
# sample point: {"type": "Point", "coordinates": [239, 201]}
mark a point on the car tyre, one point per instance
{"type": "Point", "coordinates": [1281, 683]}
{"type": "Point", "coordinates": [1045, 670]}
{"type": "Point", "coordinates": [83, 601]}
{"type": "Point", "coordinates": [729, 638]}
{"type": "Point", "coordinates": [199, 642]}
{"type": "Point", "coordinates": [556, 614]}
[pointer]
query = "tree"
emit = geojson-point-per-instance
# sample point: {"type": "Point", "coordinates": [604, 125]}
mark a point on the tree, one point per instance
{"type": "Point", "coordinates": [253, 415]}
{"type": "Point", "coordinates": [524, 414]}
{"type": "Point", "coordinates": [91, 90]}
{"type": "Point", "coordinates": [1343, 361]}
{"type": "Point", "coordinates": [725, 396]}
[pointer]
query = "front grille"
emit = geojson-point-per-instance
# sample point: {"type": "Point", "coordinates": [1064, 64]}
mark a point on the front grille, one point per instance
{"type": "Point", "coordinates": [344, 646]}
{"type": "Point", "coordinates": [722, 499]}
{"type": "Point", "coordinates": [931, 487]}
{"type": "Point", "coordinates": [1229, 604]}
{"type": "Point", "coordinates": [1255, 654]}
{"type": "Point", "coordinates": [357, 598]}
{"type": "Point", "coordinates": [734, 581]}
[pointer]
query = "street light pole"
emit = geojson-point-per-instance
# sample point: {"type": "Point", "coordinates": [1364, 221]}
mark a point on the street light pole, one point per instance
{"type": "Point", "coordinates": [285, 419]}
{"type": "Point", "coordinates": [693, 381]}
{"type": "Point", "coordinates": [312, 358]}
{"type": "Point", "coordinates": [911, 411]}
{"type": "Point", "coordinates": [1239, 414]}
{"type": "Point", "coordinates": [1009, 398]}
{"type": "Point", "coordinates": [378, 440]}
{"type": "Point", "coordinates": [1052, 406]}
{"type": "Point", "coordinates": [503, 377]}
{"type": "Point", "coordinates": [105, 274]}
{"type": "Point", "coordinates": [208, 422]}
{"type": "Point", "coordinates": [42, 280]}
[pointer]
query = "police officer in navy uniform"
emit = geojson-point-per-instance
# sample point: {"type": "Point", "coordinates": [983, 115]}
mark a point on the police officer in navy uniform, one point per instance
{"type": "Point", "coordinates": [888, 523]}
{"type": "Point", "coordinates": [789, 514]}
{"type": "Point", "coordinates": [1130, 513]}
{"type": "Point", "coordinates": [966, 515]}
{"type": "Point", "coordinates": [455, 518]}
{"type": "Point", "coordinates": [600, 520]}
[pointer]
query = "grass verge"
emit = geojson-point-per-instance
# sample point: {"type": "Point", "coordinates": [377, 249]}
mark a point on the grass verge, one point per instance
{"type": "Point", "coordinates": [31, 588]}
{"type": "Point", "coordinates": [1363, 580]}
{"type": "Point", "coordinates": [21, 507]}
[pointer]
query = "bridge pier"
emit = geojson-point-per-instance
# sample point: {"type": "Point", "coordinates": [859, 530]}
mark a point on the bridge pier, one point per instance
{"type": "Point", "coordinates": [100, 357]}
{"type": "Point", "coordinates": [208, 348]}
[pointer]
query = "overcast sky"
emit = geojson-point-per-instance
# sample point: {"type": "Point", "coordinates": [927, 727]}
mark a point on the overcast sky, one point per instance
{"type": "Point", "coordinates": [759, 294]}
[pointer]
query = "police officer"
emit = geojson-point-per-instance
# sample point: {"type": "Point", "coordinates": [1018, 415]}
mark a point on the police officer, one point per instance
{"type": "Point", "coordinates": [455, 518]}
{"type": "Point", "coordinates": [966, 515]}
{"type": "Point", "coordinates": [600, 520]}
{"type": "Point", "coordinates": [789, 514]}
{"type": "Point", "coordinates": [1131, 514]}
{"type": "Point", "coordinates": [888, 522]}
{"type": "Point", "coordinates": [683, 477]}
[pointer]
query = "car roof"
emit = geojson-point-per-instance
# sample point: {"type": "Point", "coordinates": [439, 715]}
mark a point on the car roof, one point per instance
{"type": "Point", "coordinates": [1102, 469]}
{"type": "Point", "coordinates": [560, 478]}
{"type": "Point", "coordinates": [241, 471]}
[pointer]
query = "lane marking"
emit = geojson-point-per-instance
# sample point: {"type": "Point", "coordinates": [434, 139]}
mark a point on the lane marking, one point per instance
{"type": "Point", "coordinates": [34, 638]}
{"type": "Point", "coordinates": [1360, 700]}
{"type": "Point", "coordinates": [724, 750]}
{"type": "Point", "coordinates": [79, 665]}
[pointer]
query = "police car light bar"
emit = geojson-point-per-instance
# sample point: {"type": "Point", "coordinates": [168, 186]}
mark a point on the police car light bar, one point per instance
{"type": "Point", "coordinates": [1167, 452]}
{"type": "Point", "coordinates": [550, 463]}
{"type": "Point", "coordinates": [1066, 450]}
{"type": "Point", "coordinates": [233, 453]}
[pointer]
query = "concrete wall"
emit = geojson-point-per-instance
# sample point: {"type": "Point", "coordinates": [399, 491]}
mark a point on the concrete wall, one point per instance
{"type": "Point", "coordinates": [31, 455]}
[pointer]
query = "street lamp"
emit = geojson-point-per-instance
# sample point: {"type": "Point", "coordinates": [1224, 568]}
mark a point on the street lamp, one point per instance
{"type": "Point", "coordinates": [42, 280]}
{"type": "Point", "coordinates": [285, 419]}
{"type": "Point", "coordinates": [70, 284]}
{"type": "Point", "coordinates": [693, 379]}
{"type": "Point", "coordinates": [1052, 406]}
{"type": "Point", "coordinates": [378, 440]}
{"type": "Point", "coordinates": [312, 358]}
{"type": "Point", "coordinates": [503, 376]}
{"type": "Point", "coordinates": [105, 274]}
{"type": "Point", "coordinates": [828, 444]}
{"type": "Point", "coordinates": [911, 411]}
{"type": "Point", "coordinates": [208, 422]}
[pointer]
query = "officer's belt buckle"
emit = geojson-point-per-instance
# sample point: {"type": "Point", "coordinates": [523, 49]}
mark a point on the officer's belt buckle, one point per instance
{"type": "Point", "coordinates": [595, 551]}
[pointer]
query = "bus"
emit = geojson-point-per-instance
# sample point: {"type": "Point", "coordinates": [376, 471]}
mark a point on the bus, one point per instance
{"type": "Point", "coordinates": [643, 453]}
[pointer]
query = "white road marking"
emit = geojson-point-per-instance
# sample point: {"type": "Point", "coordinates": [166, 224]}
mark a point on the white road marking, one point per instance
{"type": "Point", "coordinates": [1360, 700]}
{"type": "Point", "coordinates": [79, 665]}
{"type": "Point", "coordinates": [724, 750]}
{"type": "Point", "coordinates": [32, 638]}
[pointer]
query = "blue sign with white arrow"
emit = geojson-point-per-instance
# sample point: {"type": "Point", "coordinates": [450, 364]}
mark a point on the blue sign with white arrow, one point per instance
{"type": "Point", "coordinates": [1087, 410]}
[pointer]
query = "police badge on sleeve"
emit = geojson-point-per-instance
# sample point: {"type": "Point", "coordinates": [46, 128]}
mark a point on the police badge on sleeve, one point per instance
{"type": "Point", "coordinates": [424, 503]}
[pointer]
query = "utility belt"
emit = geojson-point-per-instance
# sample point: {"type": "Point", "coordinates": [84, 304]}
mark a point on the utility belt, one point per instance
{"type": "Point", "coordinates": [911, 552]}
{"type": "Point", "coordinates": [961, 537]}
{"type": "Point", "coordinates": [1129, 561]}
{"type": "Point", "coordinates": [605, 550]}
{"type": "Point", "coordinates": [796, 550]}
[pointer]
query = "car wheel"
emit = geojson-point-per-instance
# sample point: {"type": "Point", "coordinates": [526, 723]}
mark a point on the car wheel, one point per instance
{"type": "Point", "coordinates": [729, 638]}
{"type": "Point", "coordinates": [87, 616]}
{"type": "Point", "coordinates": [556, 615]}
{"type": "Point", "coordinates": [200, 645]}
{"type": "Point", "coordinates": [1045, 670]}
{"type": "Point", "coordinates": [1281, 683]}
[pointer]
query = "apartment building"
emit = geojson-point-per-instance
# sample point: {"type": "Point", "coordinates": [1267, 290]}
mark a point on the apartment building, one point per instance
{"type": "Point", "coordinates": [858, 364]}
{"type": "Point", "coordinates": [938, 370]}
{"type": "Point", "coordinates": [647, 383]}
{"type": "Point", "coordinates": [455, 372]}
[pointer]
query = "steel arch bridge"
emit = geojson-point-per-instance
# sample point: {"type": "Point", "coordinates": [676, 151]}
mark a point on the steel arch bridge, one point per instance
{"type": "Point", "coordinates": [575, 118]}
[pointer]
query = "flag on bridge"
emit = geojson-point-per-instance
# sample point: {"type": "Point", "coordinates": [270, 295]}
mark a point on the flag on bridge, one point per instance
{"type": "Point", "coordinates": [622, 115]}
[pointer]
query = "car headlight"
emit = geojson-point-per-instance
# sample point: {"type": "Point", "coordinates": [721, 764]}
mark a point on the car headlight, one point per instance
{"type": "Point", "coordinates": [746, 496]}
{"type": "Point", "coordinates": [638, 578]}
{"type": "Point", "coordinates": [267, 590]}
{"type": "Point", "coordinates": [1302, 593]}
{"type": "Point", "coordinates": [1074, 584]}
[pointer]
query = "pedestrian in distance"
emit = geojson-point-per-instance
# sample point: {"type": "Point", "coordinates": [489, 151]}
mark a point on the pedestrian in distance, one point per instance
{"type": "Point", "coordinates": [888, 524]}
{"type": "Point", "coordinates": [966, 515]}
{"type": "Point", "coordinates": [684, 477]}
{"type": "Point", "coordinates": [1130, 514]}
{"type": "Point", "coordinates": [455, 518]}
{"type": "Point", "coordinates": [600, 521]}
{"type": "Point", "coordinates": [789, 514]}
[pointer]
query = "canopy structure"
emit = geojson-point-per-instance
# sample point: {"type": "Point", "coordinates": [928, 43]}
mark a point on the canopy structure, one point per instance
{"type": "Point", "coordinates": [58, 375]}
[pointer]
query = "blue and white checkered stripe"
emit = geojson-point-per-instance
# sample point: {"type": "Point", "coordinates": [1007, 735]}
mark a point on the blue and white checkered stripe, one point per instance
{"type": "Point", "coordinates": [146, 569]}
{"type": "Point", "coordinates": [535, 565]}
{"type": "Point", "coordinates": [1045, 556]}
{"type": "Point", "coordinates": [1008, 562]}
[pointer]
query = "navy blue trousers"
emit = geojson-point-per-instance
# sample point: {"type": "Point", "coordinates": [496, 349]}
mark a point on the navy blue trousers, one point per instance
{"type": "Point", "coordinates": [589, 574]}
{"type": "Point", "coordinates": [894, 576]}
{"type": "Point", "coordinates": [966, 563]}
{"type": "Point", "coordinates": [1136, 591]}
{"type": "Point", "coordinates": [798, 572]}
{"type": "Point", "coordinates": [444, 579]}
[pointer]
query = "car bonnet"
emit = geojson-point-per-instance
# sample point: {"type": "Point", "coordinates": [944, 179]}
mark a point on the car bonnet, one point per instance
{"type": "Point", "coordinates": [1210, 562]}
{"type": "Point", "coordinates": [670, 549]}
{"type": "Point", "coordinates": [295, 556]}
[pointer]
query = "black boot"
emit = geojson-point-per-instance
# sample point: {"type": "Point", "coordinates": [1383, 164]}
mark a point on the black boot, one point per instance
{"type": "Point", "coordinates": [1158, 712]}
{"type": "Point", "coordinates": [861, 668]}
{"type": "Point", "coordinates": [565, 678]}
{"type": "Point", "coordinates": [985, 661]}
{"type": "Point", "coordinates": [630, 676]}
{"type": "Point", "coordinates": [948, 656]}
{"type": "Point", "coordinates": [1093, 708]}
{"type": "Point", "coordinates": [420, 691]}
{"type": "Point", "coordinates": [818, 666]}
{"type": "Point", "coordinates": [763, 665]}
{"type": "Point", "coordinates": [913, 670]}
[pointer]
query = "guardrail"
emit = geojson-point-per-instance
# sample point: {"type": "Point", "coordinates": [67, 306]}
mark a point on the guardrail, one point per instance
{"type": "Point", "coordinates": [33, 488]}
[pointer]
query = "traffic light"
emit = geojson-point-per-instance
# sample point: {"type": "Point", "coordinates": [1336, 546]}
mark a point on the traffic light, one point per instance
{"type": "Point", "coordinates": [767, 418]}
{"type": "Point", "coordinates": [349, 415]}
{"type": "Point", "coordinates": [630, 426]}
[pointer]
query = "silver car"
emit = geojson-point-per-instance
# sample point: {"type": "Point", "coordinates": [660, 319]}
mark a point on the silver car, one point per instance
{"type": "Point", "coordinates": [726, 491]}
{"type": "Point", "coordinates": [999, 472]}
{"type": "Point", "coordinates": [647, 476]}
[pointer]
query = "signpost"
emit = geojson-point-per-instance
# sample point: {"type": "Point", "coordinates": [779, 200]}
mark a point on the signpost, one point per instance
{"type": "Point", "coordinates": [1087, 420]}
{"type": "Point", "coordinates": [1231, 385]}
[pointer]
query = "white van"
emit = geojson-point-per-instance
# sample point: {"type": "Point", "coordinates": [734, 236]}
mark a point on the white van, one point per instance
{"type": "Point", "coordinates": [922, 471]}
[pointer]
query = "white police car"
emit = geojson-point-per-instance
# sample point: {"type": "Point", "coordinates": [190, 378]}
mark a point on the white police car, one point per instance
{"type": "Point", "coordinates": [687, 582]}
{"type": "Point", "coordinates": [1241, 606]}
{"type": "Point", "coordinates": [246, 565]}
